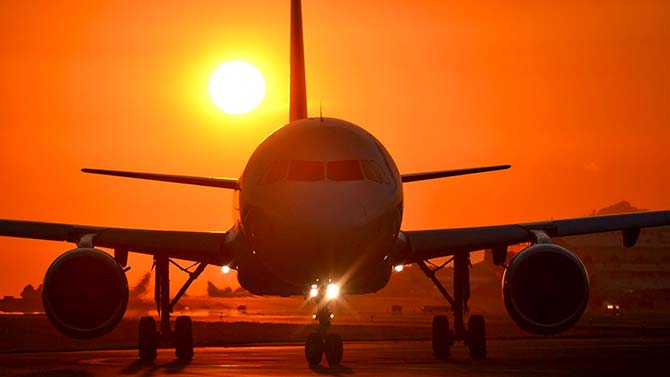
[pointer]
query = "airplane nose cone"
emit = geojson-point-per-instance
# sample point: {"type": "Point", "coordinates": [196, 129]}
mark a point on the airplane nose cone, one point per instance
{"type": "Point", "coordinates": [321, 238]}
{"type": "Point", "coordinates": [329, 215]}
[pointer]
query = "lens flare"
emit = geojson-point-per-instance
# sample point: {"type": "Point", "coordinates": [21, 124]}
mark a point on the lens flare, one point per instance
{"type": "Point", "coordinates": [332, 291]}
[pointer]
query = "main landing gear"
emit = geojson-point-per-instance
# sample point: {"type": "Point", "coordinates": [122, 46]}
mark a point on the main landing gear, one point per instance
{"type": "Point", "coordinates": [474, 336]}
{"type": "Point", "coordinates": [182, 336]}
{"type": "Point", "coordinates": [321, 342]}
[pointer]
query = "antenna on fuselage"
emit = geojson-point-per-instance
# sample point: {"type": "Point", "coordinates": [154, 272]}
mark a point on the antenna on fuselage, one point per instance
{"type": "Point", "coordinates": [298, 104]}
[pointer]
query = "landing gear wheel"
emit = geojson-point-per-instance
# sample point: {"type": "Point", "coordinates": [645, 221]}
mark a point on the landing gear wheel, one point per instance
{"type": "Point", "coordinates": [442, 338]}
{"type": "Point", "coordinates": [477, 337]}
{"type": "Point", "coordinates": [147, 339]}
{"type": "Point", "coordinates": [183, 338]}
{"type": "Point", "coordinates": [314, 349]}
{"type": "Point", "coordinates": [333, 349]}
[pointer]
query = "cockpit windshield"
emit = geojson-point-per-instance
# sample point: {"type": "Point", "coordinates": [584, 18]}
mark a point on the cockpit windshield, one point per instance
{"type": "Point", "coordinates": [300, 170]}
{"type": "Point", "coordinates": [373, 171]}
{"type": "Point", "coordinates": [312, 171]}
{"type": "Point", "coordinates": [346, 170]}
{"type": "Point", "coordinates": [275, 173]}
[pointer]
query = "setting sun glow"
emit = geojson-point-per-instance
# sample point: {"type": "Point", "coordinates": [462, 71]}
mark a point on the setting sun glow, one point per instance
{"type": "Point", "coordinates": [236, 87]}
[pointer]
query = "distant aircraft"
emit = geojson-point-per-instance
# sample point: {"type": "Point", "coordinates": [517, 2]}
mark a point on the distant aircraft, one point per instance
{"type": "Point", "coordinates": [317, 212]}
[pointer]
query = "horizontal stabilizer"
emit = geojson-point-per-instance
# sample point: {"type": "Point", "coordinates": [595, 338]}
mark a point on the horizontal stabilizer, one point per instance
{"type": "Point", "coordinates": [227, 183]}
{"type": "Point", "coordinates": [450, 173]}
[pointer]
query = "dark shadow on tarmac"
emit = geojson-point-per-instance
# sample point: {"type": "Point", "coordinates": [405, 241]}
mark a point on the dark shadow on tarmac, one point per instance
{"type": "Point", "coordinates": [175, 366]}
{"type": "Point", "coordinates": [332, 371]}
{"type": "Point", "coordinates": [60, 373]}
{"type": "Point", "coordinates": [148, 368]}
{"type": "Point", "coordinates": [137, 366]}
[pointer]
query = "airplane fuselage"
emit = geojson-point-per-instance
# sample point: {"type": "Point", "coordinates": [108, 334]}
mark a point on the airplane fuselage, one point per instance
{"type": "Point", "coordinates": [320, 200]}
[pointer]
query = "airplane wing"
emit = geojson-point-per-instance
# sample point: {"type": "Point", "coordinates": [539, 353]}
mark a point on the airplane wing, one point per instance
{"type": "Point", "coordinates": [413, 177]}
{"type": "Point", "coordinates": [227, 183]}
{"type": "Point", "coordinates": [205, 247]}
{"type": "Point", "coordinates": [427, 244]}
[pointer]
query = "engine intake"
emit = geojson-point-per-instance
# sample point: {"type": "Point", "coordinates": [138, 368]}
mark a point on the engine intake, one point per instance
{"type": "Point", "coordinates": [85, 293]}
{"type": "Point", "coordinates": [545, 289]}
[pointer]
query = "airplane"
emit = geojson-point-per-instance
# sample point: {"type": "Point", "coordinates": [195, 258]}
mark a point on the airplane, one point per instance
{"type": "Point", "coordinates": [317, 213]}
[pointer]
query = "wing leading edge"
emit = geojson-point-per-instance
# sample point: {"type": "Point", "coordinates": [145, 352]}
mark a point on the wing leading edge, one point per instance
{"type": "Point", "coordinates": [413, 177]}
{"type": "Point", "coordinates": [227, 183]}
{"type": "Point", "coordinates": [427, 244]}
{"type": "Point", "coordinates": [205, 247]}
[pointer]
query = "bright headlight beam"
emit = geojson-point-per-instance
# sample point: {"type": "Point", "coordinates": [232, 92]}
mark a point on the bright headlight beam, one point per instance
{"type": "Point", "coordinates": [313, 292]}
{"type": "Point", "coordinates": [225, 269]}
{"type": "Point", "coordinates": [398, 268]}
{"type": "Point", "coordinates": [332, 291]}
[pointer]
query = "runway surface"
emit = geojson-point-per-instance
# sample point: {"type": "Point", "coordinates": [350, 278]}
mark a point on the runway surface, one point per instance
{"type": "Point", "coordinates": [635, 357]}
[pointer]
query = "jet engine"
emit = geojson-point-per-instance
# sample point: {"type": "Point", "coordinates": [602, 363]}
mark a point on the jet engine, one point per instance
{"type": "Point", "coordinates": [545, 289]}
{"type": "Point", "coordinates": [85, 293]}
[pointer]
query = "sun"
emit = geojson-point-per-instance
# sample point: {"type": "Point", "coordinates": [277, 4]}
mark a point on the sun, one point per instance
{"type": "Point", "coordinates": [236, 87]}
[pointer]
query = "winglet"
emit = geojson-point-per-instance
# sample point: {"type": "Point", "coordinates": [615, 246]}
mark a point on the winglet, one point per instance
{"type": "Point", "coordinates": [298, 105]}
{"type": "Point", "coordinates": [227, 183]}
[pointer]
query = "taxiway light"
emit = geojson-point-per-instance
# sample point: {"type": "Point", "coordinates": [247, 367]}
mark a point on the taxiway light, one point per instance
{"type": "Point", "coordinates": [225, 269]}
{"type": "Point", "coordinates": [398, 268]}
{"type": "Point", "coordinates": [313, 292]}
{"type": "Point", "coordinates": [332, 291]}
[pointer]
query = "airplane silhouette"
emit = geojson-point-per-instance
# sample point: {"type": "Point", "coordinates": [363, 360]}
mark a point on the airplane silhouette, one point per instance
{"type": "Point", "coordinates": [317, 212]}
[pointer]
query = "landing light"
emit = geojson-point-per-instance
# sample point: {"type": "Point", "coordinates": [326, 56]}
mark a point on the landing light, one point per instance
{"type": "Point", "coordinates": [225, 269]}
{"type": "Point", "coordinates": [313, 292]}
{"type": "Point", "coordinates": [398, 268]}
{"type": "Point", "coordinates": [332, 291]}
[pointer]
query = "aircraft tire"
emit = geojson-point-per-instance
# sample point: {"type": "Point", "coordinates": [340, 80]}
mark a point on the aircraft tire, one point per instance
{"type": "Point", "coordinates": [477, 337]}
{"type": "Point", "coordinates": [334, 349]}
{"type": "Point", "coordinates": [441, 337]}
{"type": "Point", "coordinates": [183, 338]}
{"type": "Point", "coordinates": [314, 349]}
{"type": "Point", "coordinates": [147, 339]}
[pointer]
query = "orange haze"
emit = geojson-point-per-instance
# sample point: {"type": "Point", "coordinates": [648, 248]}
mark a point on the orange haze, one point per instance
{"type": "Point", "coordinates": [575, 95]}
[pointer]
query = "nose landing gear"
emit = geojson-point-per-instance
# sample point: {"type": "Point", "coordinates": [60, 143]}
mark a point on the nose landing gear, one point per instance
{"type": "Point", "coordinates": [322, 342]}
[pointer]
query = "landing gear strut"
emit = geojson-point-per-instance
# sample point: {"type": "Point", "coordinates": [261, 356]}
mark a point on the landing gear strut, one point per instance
{"type": "Point", "coordinates": [321, 342]}
{"type": "Point", "coordinates": [182, 337]}
{"type": "Point", "coordinates": [474, 336]}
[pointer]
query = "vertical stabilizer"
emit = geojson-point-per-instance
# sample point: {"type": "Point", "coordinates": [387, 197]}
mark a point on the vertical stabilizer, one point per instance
{"type": "Point", "coordinates": [298, 106]}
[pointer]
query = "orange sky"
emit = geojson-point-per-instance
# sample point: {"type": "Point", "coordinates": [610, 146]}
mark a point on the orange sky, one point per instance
{"type": "Point", "coordinates": [575, 95]}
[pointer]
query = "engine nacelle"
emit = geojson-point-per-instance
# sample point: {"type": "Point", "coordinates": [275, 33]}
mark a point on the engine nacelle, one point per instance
{"type": "Point", "coordinates": [85, 293]}
{"type": "Point", "coordinates": [545, 289]}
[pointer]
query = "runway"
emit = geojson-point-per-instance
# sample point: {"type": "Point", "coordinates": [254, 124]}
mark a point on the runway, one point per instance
{"type": "Point", "coordinates": [517, 357]}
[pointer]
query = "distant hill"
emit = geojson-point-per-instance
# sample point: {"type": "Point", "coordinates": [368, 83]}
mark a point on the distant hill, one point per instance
{"type": "Point", "coordinates": [620, 207]}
